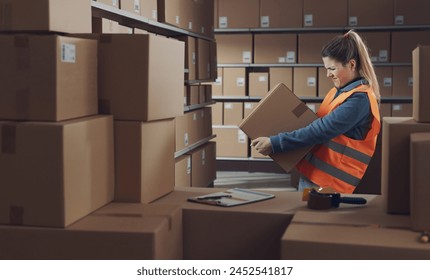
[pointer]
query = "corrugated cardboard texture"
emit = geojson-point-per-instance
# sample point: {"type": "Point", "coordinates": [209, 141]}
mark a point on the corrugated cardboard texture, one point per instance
{"type": "Point", "coordinates": [275, 48]}
{"type": "Point", "coordinates": [281, 13]}
{"type": "Point", "coordinates": [421, 84]}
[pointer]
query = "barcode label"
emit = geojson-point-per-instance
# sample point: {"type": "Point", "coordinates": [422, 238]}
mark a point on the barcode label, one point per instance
{"type": "Point", "coordinates": [68, 53]}
{"type": "Point", "coordinates": [309, 20]}
{"type": "Point", "coordinates": [265, 21]}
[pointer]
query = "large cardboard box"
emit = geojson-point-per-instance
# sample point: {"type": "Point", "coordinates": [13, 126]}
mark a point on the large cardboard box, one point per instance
{"type": "Point", "coordinates": [47, 77]}
{"type": "Point", "coordinates": [370, 13]}
{"type": "Point", "coordinates": [421, 84]}
{"type": "Point", "coordinates": [305, 81]}
{"type": "Point", "coordinates": [419, 190]}
{"type": "Point", "coordinates": [281, 13]}
{"type": "Point", "coordinates": [258, 83]}
{"type": "Point", "coordinates": [411, 12]}
{"type": "Point", "coordinates": [279, 75]}
{"type": "Point", "coordinates": [190, 57]}
{"type": "Point", "coordinates": [231, 13]}
{"type": "Point", "coordinates": [396, 161]}
{"type": "Point", "coordinates": [144, 164]}
{"type": "Point", "coordinates": [55, 173]}
{"type": "Point", "coordinates": [183, 171]}
{"type": "Point", "coordinates": [379, 45]}
{"type": "Point", "coordinates": [311, 44]}
{"type": "Point", "coordinates": [403, 43]}
{"type": "Point", "coordinates": [385, 80]}
{"type": "Point", "coordinates": [149, 85]}
{"type": "Point", "coordinates": [402, 81]}
{"type": "Point", "coordinates": [46, 15]}
{"type": "Point", "coordinates": [275, 48]}
{"type": "Point", "coordinates": [325, 84]}
{"type": "Point", "coordinates": [118, 231]}
{"type": "Point", "coordinates": [230, 142]}
{"type": "Point", "coordinates": [284, 111]}
{"type": "Point", "coordinates": [203, 165]}
{"type": "Point", "coordinates": [233, 113]}
{"type": "Point", "coordinates": [234, 82]}
{"type": "Point", "coordinates": [235, 48]}
{"type": "Point", "coordinates": [315, 15]}
{"type": "Point", "coordinates": [363, 233]}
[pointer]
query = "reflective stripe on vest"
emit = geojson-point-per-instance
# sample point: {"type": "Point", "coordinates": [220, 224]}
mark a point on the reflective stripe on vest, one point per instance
{"type": "Point", "coordinates": [348, 151]}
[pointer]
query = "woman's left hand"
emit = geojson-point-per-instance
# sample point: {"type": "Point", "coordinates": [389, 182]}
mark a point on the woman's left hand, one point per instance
{"type": "Point", "coordinates": [262, 145]}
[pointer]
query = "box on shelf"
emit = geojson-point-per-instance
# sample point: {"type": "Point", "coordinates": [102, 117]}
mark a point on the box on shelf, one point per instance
{"type": "Point", "coordinates": [401, 110]}
{"type": "Point", "coordinates": [55, 173]}
{"type": "Point", "coordinates": [233, 113]}
{"type": "Point", "coordinates": [132, 6]}
{"type": "Point", "coordinates": [183, 171]}
{"type": "Point", "coordinates": [370, 13]}
{"type": "Point", "coordinates": [305, 81]}
{"type": "Point", "coordinates": [203, 165]}
{"type": "Point", "coordinates": [258, 83]}
{"type": "Point", "coordinates": [126, 231]}
{"type": "Point", "coordinates": [403, 43]}
{"type": "Point", "coordinates": [234, 82]}
{"type": "Point", "coordinates": [421, 83]}
{"type": "Point", "coordinates": [378, 44]}
{"type": "Point", "coordinates": [113, 3]}
{"type": "Point", "coordinates": [190, 56]}
{"type": "Point", "coordinates": [248, 107]}
{"type": "Point", "coordinates": [63, 16]}
{"type": "Point", "coordinates": [173, 12]}
{"type": "Point", "coordinates": [402, 81]}
{"type": "Point", "coordinates": [217, 113]}
{"type": "Point", "coordinates": [192, 127]}
{"type": "Point", "coordinates": [311, 44]}
{"type": "Point", "coordinates": [281, 13]}
{"type": "Point", "coordinates": [315, 15]}
{"type": "Point", "coordinates": [231, 14]}
{"type": "Point", "coordinates": [285, 112]}
{"type": "Point", "coordinates": [144, 164]}
{"type": "Point", "coordinates": [68, 68]}
{"type": "Point", "coordinates": [218, 84]}
{"type": "Point", "coordinates": [230, 142]}
{"type": "Point", "coordinates": [107, 26]}
{"type": "Point", "coordinates": [279, 75]}
{"type": "Point", "coordinates": [235, 48]}
{"type": "Point", "coordinates": [385, 110]}
{"type": "Point", "coordinates": [411, 12]}
{"type": "Point", "coordinates": [192, 94]}
{"type": "Point", "coordinates": [395, 161]}
{"type": "Point", "coordinates": [204, 59]}
{"type": "Point", "coordinates": [275, 48]}
{"type": "Point", "coordinates": [385, 80]}
{"type": "Point", "coordinates": [325, 84]}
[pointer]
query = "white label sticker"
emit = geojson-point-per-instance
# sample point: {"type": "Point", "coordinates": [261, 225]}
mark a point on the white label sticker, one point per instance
{"type": "Point", "coordinates": [410, 81]}
{"type": "Point", "coordinates": [373, 58]}
{"type": "Point", "coordinates": [228, 105]}
{"type": "Point", "coordinates": [246, 56]}
{"type": "Point", "coordinates": [154, 14]}
{"type": "Point", "coordinates": [194, 117]}
{"type": "Point", "coordinates": [353, 21]}
{"type": "Point", "coordinates": [223, 22]}
{"type": "Point", "coordinates": [68, 53]}
{"type": "Point", "coordinates": [399, 20]}
{"type": "Point", "coordinates": [115, 3]}
{"type": "Point", "coordinates": [249, 106]}
{"type": "Point", "coordinates": [265, 21]}
{"type": "Point", "coordinates": [282, 59]}
{"type": "Point", "coordinates": [291, 57]}
{"type": "Point", "coordinates": [203, 157]}
{"type": "Point", "coordinates": [137, 6]}
{"type": "Point", "coordinates": [383, 55]}
{"type": "Point", "coordinates": [388, 81]}
{"type": "Point", "coordinates": [262, 78]}
{"type": "Point", "coordinates": [194, 58]}
{"type": "Point", "coordinates": [186, 139]}
{"type": "Point", "coordinates": [178, 19]}
{"type": "Point", "coordinates": [190, 25]}
{"type": "Point", "coordinates": [397, 107]}
{"type": "Point", "coordinates": [188, 165]}
{"type": "Point", "coordinates": [218, 81]}
{"type": "Point", "coordinates": [240, 82]}
{"type": "Point", "coordinates": [241, 137]}
{"type": "Point", "coordinates": [309, 20]}
{"type": "Point", "coordinates": [203, 30]}
{"type": "Point", "coordinates": [185, 100]}
{"type": "Point", "coordinates": [312, 81]}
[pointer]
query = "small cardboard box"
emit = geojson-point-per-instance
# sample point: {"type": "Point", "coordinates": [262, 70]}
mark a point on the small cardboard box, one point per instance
{"type": "Point", "coordinates": [55, 173]}
{"type": "Point", "coordinates": [233, 113]}
{"type": "Point", "coordinates": [235, 48]}
{"type": "Point", "coordinates": [282, 75]}
{"type": "Point", "coordinates": [231, 13]}
{"type": "Point", "coordinates": [411, 12]}
{"type": "Point", "coordinates": [203, 165]}
{"type": "Point", "coordinates": [305, 81]}
{"type": "Point", "coordinates": [402, 81]}
{"type": "Point", "coordinates": [284, 111]}
{"type": "Point", "coordinates": [275, 48]}
{"type": "Point", "coordinates": [230, 142]}
{"type": "Point", "coordinates": [281, 13]}
{"type": "Point", "coordinates": [315, 15]}
{"type": "Point", "coordinates": [190, 57]}
{"type": "Point", "coordinates": [401, 110]}
{"type": "Point", "coordinates": [258, 83]}
{"type": "Point", "coordinates": [183, 171]}
{"type": "Point", "coordinates": [385, 80]}
{"type": "Point", "coordinates": [370, 13]}
{"type": "Point", "coordinates": [234, 82]}
{"type": "Point", "coordinates": [47, 77]}
{"type": "Point", "coordinates": [421, 84]}
{"type": "Point", "coordinates": [118, 231]}
{"type": "Point", "coordinates": [217, 113]}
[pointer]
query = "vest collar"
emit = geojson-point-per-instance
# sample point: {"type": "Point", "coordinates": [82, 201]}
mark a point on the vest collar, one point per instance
{"type": "Point", "coordinates": [352, 84]}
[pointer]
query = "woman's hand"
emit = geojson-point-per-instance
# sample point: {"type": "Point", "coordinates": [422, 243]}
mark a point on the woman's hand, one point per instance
{"type": "Point", "coordinates": [262, 145]}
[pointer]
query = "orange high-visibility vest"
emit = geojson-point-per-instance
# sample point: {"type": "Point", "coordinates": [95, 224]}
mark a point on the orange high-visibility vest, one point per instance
{"type": "Point", "coordinates": [341, 162]}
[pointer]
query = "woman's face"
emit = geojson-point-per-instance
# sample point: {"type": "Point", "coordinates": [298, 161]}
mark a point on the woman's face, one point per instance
{"type": "Point", "coordinates": [338, 73]}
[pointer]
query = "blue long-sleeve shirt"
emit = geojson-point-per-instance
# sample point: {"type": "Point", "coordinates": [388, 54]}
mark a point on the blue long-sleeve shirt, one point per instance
{"type": "Point", "coordinates": [351, 118]}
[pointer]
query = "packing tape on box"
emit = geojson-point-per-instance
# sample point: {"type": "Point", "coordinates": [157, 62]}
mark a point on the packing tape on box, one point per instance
{"type": "Point", "coordinates": [8, 139]}
{"type": "Point", "coordinates": [104, 106]}
{"type": "Point", "coordinates": [300, 109]}
{"type": "Point", "coordinates": [5, 16]}
{"type": "Point", "coordinates": [16, 215]}
{"type": "Point", "coordinates": [22, 103]}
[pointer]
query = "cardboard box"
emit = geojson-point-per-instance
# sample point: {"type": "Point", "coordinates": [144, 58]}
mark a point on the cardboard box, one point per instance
{"type": "Point", "coordinates": [118, 231]}
{"type": "Point", "coordinates": [279, 75]}
{"type": "Point", "coordinates": [233, 113]}
{"type": "Point", "coordinates": [365, 233]}
{"type": "Point", "coordinates": [234, 82]}
{"type": "Point", "coordinates": [311, 44]}
{"type": "Point", "coordinates": [149, 9]}
{"type": "Point", "coordinates": [139, 91]}
{"type": "Point", "coordinates": [217, 113]}
{"type": "Point", "coordinates": [385, 110]}
{"type": "Point", "coordinates": [55, 173]}
{"type": "Point", "coordinates": [275, 48]}
{"type": "Point", "coordinates": [370, 13]}
{"type": "Point", "coordinates": [192, 94]}
{"type": "Point", "coordinates": [183, 171]}
{"type": "Point", "coordinates": [285, 112]}
{"type": "Point", "coordinates": [401, 110]}
{"type": "Point", "coordinates": [385, 80]}
{"type": "Point", "coordinates": [411, 12]}
{"type": "Point", "coordinates": [421, 84]}
{"type": "Point", "coordinates": [192, 127]}
{"type": "Point", "coordinates": [190, 57]}
{"type": "Point", "coordinates": [46, 16]}
{"type": "Point", "coordinates": [205, 94]}
{"type": "Point", "coordinates": [173, 12]}
{"type": "Point", "coordinates": [203, 60]}
{"type": "Point", "coordinates": [107, 26]}
{"type": "Point", "coordinates": [258, 83]}
{"type": "Point", "coordinates": [144, 164]}
{"type": "Point", "coordinates": [218, 84]}
{"type": "Point", "coordinates": [203, 165]}
{"type": "Point", "coordinates": [403, 43]}
{"type": "Point", "coordinates": [182, 131]}
{"type": "Point", "coordinates": [230, 142]}
{"type": "Point", "coordinates": [132, 6]}
{"type": "Point", "coordinates": [231, 13]}
{"type": "Point", "coordinates": [281, 13]}
{"type": "Point", "coordinates": [378, 44]}
{"type": "Point", "coordinates": [205, 14]}
{"type": "Point", "coordinates": [402, 81]}
{"type": "Point", "coordinates": [113, 3]}
{"type": "Point", "coordinates": [419, 190]}
{"type": "Point", "coordinates": [395, 161]}
{"type": "Point", "coordinates": [248, 107]}
{"type": "Point", "coordinates": [325, 84]}
{"type": "Point", "coordinates": [315, 15]}
{"type": "Point", "coordinates": [236, 48]}
{"type": "Point", "coordinates": [68, 68]}
{"type": "Point", "coordinates": [305, 81]}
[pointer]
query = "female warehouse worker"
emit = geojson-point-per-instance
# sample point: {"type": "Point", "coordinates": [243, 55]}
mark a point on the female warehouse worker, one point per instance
{"type": "Point", "coordinates": [345, 133]}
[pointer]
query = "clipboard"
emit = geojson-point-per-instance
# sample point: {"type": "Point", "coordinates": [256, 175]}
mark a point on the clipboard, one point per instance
{"type": "Point", "coordinates": [232, 197]}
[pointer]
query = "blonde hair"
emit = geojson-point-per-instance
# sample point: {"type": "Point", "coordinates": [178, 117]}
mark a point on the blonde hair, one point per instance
{"type": "Point", "coordinates": [349, 46]}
